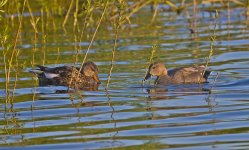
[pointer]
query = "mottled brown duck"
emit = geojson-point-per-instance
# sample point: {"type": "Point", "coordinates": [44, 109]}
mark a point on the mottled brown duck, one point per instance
{"type": "Point", "coordinates": [183, 75]}
{"type": "Point", "coordinates": [68, 75]}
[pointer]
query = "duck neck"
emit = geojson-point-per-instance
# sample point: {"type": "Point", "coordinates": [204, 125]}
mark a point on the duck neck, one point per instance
{"type": "Point", "coordinates": [162, 76]}
{"type": "Point", "coordinates": [165, 72]}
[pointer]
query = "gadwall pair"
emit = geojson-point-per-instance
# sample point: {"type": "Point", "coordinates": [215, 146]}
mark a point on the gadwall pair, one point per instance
{"type": "Point", "coordinates": [89, 74]}
{"type": "Point", "coordinates": [183, 75]}
{"type": "Point", "coordinates": [68, 75]}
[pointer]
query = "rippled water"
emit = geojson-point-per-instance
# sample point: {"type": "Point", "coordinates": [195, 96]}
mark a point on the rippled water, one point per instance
{"type": "Point", "coordinates": [130, 116]}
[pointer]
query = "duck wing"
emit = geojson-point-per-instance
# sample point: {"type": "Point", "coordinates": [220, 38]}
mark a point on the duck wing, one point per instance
{"type": "Point", "coordinates": [55, 72]}
{"type": "Point", "coordinates": [190, 74]}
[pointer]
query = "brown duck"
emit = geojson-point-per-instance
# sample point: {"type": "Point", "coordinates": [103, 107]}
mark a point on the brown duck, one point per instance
{"type": "Point", "coordinates": [181, 75]}
{"type": "Point", "coordinates": [65, 75]}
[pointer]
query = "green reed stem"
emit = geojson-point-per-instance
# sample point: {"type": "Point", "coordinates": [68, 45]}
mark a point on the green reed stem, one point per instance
{"type": "Point", "coordinates": [156, 11]}
{"type": "Point", "coordinates": [44, 49]}
{"type": "Point", "coordinates": [76, 14]}
{"type": "Point", "coordinates": [34, 93]}
{"type": "Point", "coordinates": [3, 41]}
{"type": "Point", "coordinates": [78, 47]}
{"type": "Point", "coordinates": [113, 53]}
{"type": "Point", "coordinates": [212, 40]}
{"type": "Point", "coordinates": [153, 50]}
{"type": "Point", "coordinates": [76, 56]}
{"type": "Point", "coordinates": [58, 55]}
{"type": "Point", "coordinates": [16, 76]}
{"type": "Point", "coordinates": [142, 4]}
{"type": "Point", "coordinates": [13, 50]}
{"type": "Point", "coordinates": [33, 22]}
{"type": "Point", "coordinates": [44, 37]}
{"type": "Point", "coordinates": [68, 12]}
{"type": "Point", "coordinates": [117, 23]}
{"type": "Point", "coordinates": [93, 37]}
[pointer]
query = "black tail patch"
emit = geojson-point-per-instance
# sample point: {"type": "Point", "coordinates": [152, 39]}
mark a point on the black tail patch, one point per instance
{"type": "Point", "coordinates": [42, 68]}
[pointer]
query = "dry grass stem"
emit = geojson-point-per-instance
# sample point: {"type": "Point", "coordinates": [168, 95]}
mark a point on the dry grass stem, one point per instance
{"type": "Point", "coordinates": [44, 37]}
{"type": "Point", "coordinates": [93, 37]}
{"type": "Point", "coordinates": [212, 40]}
{"type": "Point", "coordinates": [155, 12]}
{"type": "Point", "coordinates": [16, 76]}
{"type": "Point", "coordinates": [68, 12]}
{"type": "Point", "coordinates": [3, 41]}
{"type": "Point", "coordinates": [76, 14]}
{"type": "Point", "coordinates": [113, 54]}
{"type": "Point", "coordinates": [78, 47]}
{"type": "Point", "coordinates": [13, 52]}
{"type": "Point", "coordinates": [153, 50]}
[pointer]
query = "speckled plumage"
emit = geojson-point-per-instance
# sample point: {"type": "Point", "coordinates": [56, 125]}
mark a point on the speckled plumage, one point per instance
{"type": "Point", "coordinates": [68, 75]}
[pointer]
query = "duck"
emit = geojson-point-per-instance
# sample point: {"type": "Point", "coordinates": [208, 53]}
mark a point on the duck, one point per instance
{"type": "Point", "coordinates": [182, 75]}
{"type": "Point", "coordinates": [68, 75]}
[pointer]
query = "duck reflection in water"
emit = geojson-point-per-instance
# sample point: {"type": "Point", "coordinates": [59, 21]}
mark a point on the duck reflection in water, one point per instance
{"type": "Point", "coordinates": [171, 91]}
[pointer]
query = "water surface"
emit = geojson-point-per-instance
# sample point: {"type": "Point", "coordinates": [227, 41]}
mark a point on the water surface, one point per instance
{"type": "Point", "coordinates": [213, 115]}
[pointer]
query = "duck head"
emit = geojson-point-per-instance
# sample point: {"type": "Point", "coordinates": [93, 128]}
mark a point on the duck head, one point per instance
{"type": "Point", "coordinates": [156, 69]}
{"type": "Point", "coordinates": [90, 69]}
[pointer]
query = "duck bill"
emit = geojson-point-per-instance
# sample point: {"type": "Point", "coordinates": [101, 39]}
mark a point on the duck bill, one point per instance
{"type": "Point", "coordinates": [148, 76]}
{"type": "Point", "coordinates": [96, 78]}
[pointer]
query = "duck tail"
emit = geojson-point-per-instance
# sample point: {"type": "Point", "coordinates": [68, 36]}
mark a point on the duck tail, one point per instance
{"type": "Point", "coordinates": [42, 68]}
{"type": "Point", "coordinates": [37, 73]}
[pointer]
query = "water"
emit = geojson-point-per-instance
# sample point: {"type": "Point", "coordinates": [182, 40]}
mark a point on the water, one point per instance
{"type": "Point", "coordinates": [213, 115]}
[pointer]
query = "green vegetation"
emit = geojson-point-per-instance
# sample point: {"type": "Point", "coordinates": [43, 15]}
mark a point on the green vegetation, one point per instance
{"type": "Point", "coordinates": [82, 18]}
{"type": "Point", "coordinates": [123, 37]}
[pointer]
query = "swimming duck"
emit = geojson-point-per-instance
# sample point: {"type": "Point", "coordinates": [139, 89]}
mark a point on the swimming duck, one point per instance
{"type": "Point", "coordinates": [181, 75]}
{"type": "Point", "coordinates": [65, 75]}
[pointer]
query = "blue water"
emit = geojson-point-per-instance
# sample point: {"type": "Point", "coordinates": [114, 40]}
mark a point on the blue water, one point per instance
{"type": "Point", "coordinates": [213, 115]}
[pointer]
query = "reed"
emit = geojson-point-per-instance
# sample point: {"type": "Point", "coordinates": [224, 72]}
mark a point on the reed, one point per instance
{"type": "Point", "coordinates": [5, 49]}
{"type": "Point", "coordinates": [117, 24]}
{"type": "Point", "coordinates": [58, 55]}
{"type": "Point", "coordinates": [34, 92]}
{"type": "Point", "coordinates": [155, 11]}
{"type": "Point", "coordinates": [4, 37]}
{"type": "Point", "coordinates": [16, 69]}
{"type": "Point", "coordinates": [68, 13]}
{"type": "Point", "coordinates": [9, 53]}
{"type": "Point", "coordinates": [76, 46]}
{"type": "Point", "coordinates": [75, 24]}
{"type": "Point", "coordinates": [93, 37]}
{"type": "Point", "coordinates": [212, 41]}
{"type": "Point", "coordinates": [34, 22]}
{"type": "Point", "coordinates": [153, 50]}
{"type": "Point", "coordinates": [2, 3]}
{"type": "Point", "coordinates": [44, 37]}
{"type": "Point", "coordinates": [78, 39]}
